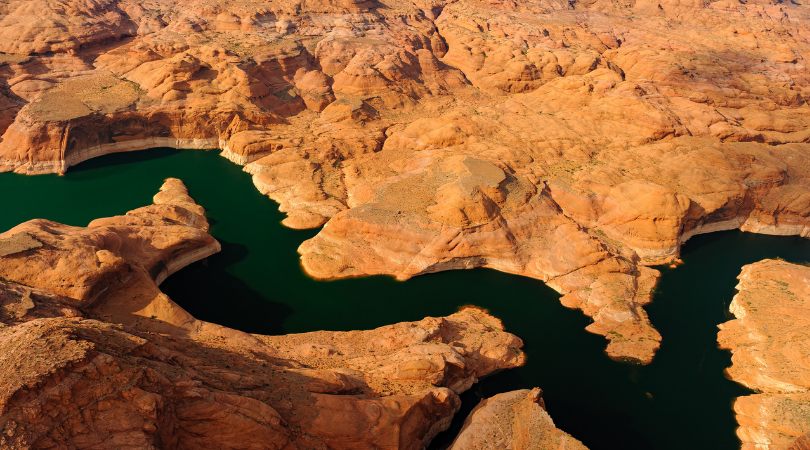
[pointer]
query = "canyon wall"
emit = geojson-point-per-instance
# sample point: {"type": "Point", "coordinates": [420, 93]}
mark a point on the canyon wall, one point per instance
{"type": "Point", "coordinates": [94, 355]}
{"type": "Point", "coordinates": [572, 142]}
{"type": "Point", "coordinates": [770, 342]}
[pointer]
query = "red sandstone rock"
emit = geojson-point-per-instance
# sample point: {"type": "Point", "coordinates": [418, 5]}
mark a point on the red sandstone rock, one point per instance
{"type": "Point", "coordinates": [628, 127]}
{"type": "Point", "coordinates": [93, 354]}
{"type": "Point", "coordinates": [515, 420]}
{"type": "Point", "coordinates": [770, 341]}
{"type": "Point", "coordinates": [802, 443]}
{"type": "Point", "coordinates": [42, 26]}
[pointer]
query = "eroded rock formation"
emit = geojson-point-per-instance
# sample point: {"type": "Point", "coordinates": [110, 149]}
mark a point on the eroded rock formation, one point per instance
{"type": "Point", "coordinates": [770, 341]}
{"type": "Point", "coordinates": [574, 142]}
{"type": "Point", "coordinates": [94, 355]}
{"type": "Point", "coordinates": [514, 420]}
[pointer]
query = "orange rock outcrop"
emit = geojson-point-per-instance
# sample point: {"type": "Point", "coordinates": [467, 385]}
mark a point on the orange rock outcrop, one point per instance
{"type": "Point", "coordinates": [514, 420]}
{"type": "Point", "coordinates": [770, 342]}
{"type": "Point", "coordinates": [573, 142]}
{"type": "Point", "coordinates": [94, 355]}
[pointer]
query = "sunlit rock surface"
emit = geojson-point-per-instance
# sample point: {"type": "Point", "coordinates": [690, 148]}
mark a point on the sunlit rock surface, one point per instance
{"type": "Point", "coordinates": [573, 142]}
{"type": "Point", "coordinates": [514, 420]}
{"type": "Point", "coordinates": [94, 355]}
{"type": "Point", "coordinates": [770, 343]}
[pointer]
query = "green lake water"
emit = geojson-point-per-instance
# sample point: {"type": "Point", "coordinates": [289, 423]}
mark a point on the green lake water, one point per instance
{"type": "Point", "coordinates": [681, 400]}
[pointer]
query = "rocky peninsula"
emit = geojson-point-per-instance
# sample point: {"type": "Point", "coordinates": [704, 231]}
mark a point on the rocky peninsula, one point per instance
{"type": "Point", "coordinates": [573, 142]}
{"type": "Point", "coordinates": [770, 342]}
{"type": "Point", "coordinates": [94, 355]}
{"type": "Point", "coordinates": [513, 420]}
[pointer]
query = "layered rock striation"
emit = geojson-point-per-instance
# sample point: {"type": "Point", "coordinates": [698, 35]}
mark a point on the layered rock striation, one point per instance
{"type": "Point", "coordinates": [94, 355]}
{"type": "Point", "coordinates": [573, 142]}
{"type": "Point", "coordinates": [770, 341]}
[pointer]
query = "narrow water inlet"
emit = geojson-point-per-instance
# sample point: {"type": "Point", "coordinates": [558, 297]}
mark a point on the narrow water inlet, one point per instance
{"type": "Point", "coordinates": [681, 400]}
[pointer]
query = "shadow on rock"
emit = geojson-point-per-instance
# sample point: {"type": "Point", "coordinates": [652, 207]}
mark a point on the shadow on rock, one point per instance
{"type": "Point", "coordinates": [118, 159]}
{"type": "Point", "coordinates": [200, 289]}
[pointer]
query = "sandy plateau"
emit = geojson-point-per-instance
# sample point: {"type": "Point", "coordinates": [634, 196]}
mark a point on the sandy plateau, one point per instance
{"type": "Point", "coordinates": [575, 142]}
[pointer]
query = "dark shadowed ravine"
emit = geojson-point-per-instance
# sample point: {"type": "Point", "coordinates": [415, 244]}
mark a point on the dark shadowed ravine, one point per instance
{"type": "Point", "coordinates": [681, 400]}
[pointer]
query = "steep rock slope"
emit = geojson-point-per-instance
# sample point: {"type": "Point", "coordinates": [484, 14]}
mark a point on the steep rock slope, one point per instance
{"type": "Point", "coordinates": [514, 420]}
{"type": "Point", "coordinates": [770, 341]}
{"type": "Point", "coordinates": [94, 355]}
{"type": "Point", "coordinates": [573, 142]}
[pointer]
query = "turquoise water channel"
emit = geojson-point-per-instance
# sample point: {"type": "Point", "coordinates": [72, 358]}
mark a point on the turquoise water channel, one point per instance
{"type": "Point", "coordinates": [681, 400]}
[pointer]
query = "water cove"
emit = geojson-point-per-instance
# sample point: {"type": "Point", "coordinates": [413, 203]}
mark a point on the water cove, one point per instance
{"type": "Point", "coordinates": [255, 284]}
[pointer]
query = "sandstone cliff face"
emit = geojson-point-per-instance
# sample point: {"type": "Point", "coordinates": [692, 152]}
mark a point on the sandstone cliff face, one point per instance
{"type": "Point", "coordinates": [113, 266]}
{"type": "Point", "coordinates": [94, 355]}
{"type": "Point", "coordinates": [514, 420]}
{"type": "Point", "coordinates": [573, 142]}
{"type": "Point", "coordinates": [770, 342]}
